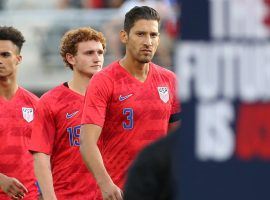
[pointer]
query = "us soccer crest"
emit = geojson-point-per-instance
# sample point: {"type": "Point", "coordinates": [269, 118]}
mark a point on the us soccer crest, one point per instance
{"type": "Point", "coordinates": [164, 94]}
{"type": "Point", "coordinates": [28, 114]}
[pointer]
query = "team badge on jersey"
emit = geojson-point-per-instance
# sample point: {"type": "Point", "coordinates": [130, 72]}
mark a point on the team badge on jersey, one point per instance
{"type": "Point", "coordinates": [28, 114]}
{"type": "Point", "coordinates": [164, 94]}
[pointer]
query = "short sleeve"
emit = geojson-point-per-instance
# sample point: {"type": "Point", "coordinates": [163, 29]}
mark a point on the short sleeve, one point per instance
{"type": "Point", "coordinates": [97, 99]}
{"type": "Point", "coordinates": [176, 108]}
{"type": "Point", "coordinates": [43, 133]}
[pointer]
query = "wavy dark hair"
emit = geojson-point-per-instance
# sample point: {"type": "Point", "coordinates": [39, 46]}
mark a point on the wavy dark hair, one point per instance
{"type": "Point", "coordinates": [137, 13]}
{"type": "Point", "coordinates": [12, 34]}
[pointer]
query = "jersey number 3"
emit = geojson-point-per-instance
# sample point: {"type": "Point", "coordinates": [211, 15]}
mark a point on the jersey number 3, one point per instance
{"type": "Point", "coordinates": [128, 123]}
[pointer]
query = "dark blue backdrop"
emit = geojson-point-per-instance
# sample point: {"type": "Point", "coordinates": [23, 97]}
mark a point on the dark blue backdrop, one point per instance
{"type": "Point", "coordinates": [234, 179]}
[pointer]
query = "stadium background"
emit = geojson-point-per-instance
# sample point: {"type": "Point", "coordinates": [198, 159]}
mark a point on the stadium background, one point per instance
{"type": "Point", "coordinates": [44, 22]}
{"type": "Point", "coordinates": [221, 56]}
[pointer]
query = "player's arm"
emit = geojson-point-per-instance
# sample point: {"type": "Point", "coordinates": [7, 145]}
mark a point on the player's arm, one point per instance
{"type": "Point", "coordinates": [175, 117]}
{"type": "Point", "coordinates": [93, 159]}
{"type": "Point", "coordinates": [43, 173]}
{"type": "Point", "coordinates": [12, 187]}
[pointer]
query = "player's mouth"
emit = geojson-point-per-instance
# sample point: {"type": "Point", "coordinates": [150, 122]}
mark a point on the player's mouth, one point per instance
{"type": "Point", "coordinates": [95, 66]}
{"type": "Point", "coordinates": [146, 50]}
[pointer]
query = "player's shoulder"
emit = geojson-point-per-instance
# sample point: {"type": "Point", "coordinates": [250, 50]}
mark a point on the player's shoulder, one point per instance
{"type": "Point", "coordinates": [29, 95]}
{"type": "Point", "coordinates": [110, 69]}
{"type": "Point", "coordinates": [108, 72]}
{"type": "Point", "coordinates": [53, 93]}
{"type": "Point", "coordinates": [162, 71]}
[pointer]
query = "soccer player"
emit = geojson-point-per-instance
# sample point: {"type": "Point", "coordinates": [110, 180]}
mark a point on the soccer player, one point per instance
{"type": "Point", "coordinates": [129, 104]}
{"type": "Point", "coordinates": [59, 167]}
{"type": "Point", "coordinates": [17, 110]}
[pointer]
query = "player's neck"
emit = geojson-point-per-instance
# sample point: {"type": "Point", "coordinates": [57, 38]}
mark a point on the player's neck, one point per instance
{"type": "Point", "coordinates": [8, 88]}
{"type": "Point", "coordinates": [79, 84]}
{"type": "Point", "coordinates": [136, 69]}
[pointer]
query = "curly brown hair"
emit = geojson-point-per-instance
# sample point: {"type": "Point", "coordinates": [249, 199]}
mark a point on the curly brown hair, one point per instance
{"type": "Point", "coordinates": [70, 40]}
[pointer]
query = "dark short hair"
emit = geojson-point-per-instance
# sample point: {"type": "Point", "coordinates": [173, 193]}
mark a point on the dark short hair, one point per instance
{"type": "Point", "coordinates": [137, 13]}
{"type": "Point", "coordinates": [12, 34]}
{"type": "Point", "coordinates": [70, 40]}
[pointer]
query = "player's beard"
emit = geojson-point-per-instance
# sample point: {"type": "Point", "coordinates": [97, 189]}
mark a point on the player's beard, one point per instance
{"type": "Point", "coordinates": [145, 59]}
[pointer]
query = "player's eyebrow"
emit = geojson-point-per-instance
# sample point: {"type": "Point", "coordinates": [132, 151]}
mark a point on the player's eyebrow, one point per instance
{"type": "Point", "coordinates": [146, 32]}
{"type": "Point", "coordinates": [94, 50]}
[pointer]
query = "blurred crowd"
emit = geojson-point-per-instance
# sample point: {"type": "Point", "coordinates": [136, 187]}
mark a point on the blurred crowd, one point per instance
{"type": "Point", "coordinates": [64, 4]}
{"type": "Point", "coordinates": [59, 4]}
{"type": "Point", "coordinates": [169, 10]}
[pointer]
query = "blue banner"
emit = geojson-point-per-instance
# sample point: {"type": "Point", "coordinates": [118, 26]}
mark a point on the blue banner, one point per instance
{"type": "Point", "coordinates": [223, 61]}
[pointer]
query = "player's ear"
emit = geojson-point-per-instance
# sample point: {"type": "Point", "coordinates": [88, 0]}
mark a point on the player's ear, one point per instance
{"type": "Point", "coordinates": [123, 36]}
{"type": "Point", "coordinates": [158, 39]}
{"type": "Point", "coordinates": [19, 59]}
{"type": "Point", "coordinates": [70, 58]}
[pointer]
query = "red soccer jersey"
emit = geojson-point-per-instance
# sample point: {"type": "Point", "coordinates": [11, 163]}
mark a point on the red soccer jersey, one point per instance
{"type": "Point", "coordinates": [57, 132]}
{"type": "Point", "coordinates": [131, 113]}
{"type": "Point", "coordinates": [16, 117]}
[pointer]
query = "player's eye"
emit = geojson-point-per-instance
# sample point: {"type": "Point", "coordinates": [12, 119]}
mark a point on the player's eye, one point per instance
{"type": "Point", "coordinates": [140, 34]}
{"type": "Point", "coordinates": [100, 52]}
{"type": "Point", "coordinates": [89, 52]}
{"type": "Point", "coordinates": [154, 35]}
{"type": "Point", "coordinates": [5, 54]}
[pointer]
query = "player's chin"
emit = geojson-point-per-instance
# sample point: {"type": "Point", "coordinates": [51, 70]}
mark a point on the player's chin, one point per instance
{"type": "Point", "coordinates": [145, 60]}
{"type": "Point", "coordinates": [95, 70]}
{"type": "Point", "coordinates": [3, 75]}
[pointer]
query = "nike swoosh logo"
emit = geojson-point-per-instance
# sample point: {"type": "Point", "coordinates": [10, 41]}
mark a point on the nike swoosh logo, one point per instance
{"type": "Point", "coordinates": [68, 116]}
{"type": "Point", "coordinates": [122, 98]}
